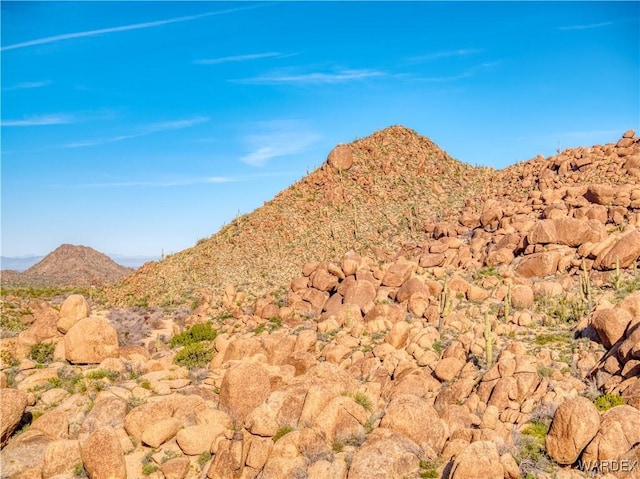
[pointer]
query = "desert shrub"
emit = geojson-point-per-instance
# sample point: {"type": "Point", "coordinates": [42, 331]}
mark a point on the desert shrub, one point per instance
{"type": "Point", "coordinates": [204, 458]}
{"type": "Point", "coordinates": [194, 334]}
{"type": "Point", "coordinates": [607, 401]}
{"type": "Point", "coordinates": [102, 373]}
{"type": "Point", "coordinates": [283, 431]}
{"type": "Point", "coordinates": [148, 469]}
{"type": "Point", "coordinates": [132, 324]}
{"type": "Point", "coordinates": [530, 451]}
{"type": "Point", "coordinates": [195, 355]}
{"type": "Point", "coordinates": [42, 352]}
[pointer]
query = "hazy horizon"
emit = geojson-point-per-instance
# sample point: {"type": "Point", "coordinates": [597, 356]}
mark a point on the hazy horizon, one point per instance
{"type": "Point", "coordinates": [138, 128]}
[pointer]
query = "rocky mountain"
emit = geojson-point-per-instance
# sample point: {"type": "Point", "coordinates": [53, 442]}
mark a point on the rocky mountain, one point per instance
{"type": "Point", "coordinates": [502, 341]}
{"type": "Point", "coordinates": [375, 193]}
{"type": "Point", "coordinates": [71, 265]}
{"type": "Point", "coordinates": [392, 189]}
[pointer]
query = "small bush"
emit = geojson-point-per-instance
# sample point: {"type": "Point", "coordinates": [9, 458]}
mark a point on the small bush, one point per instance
{"type": "Point", "coordinates": [337, 446]}
{"type": "Point", "coordinates": [195, 334]}
{"type": "Point", "coordinates": [42, 353]}
{"type": "Point", "coordinates": [283, 431]}
{"type": "Point", "coordinates": [204, 458]}
{"type": "Point", "coordinates": [149, 469]}
{"type": "Point", "coordinates": [607, 401]}
{"type": "Point", "coordinates": [79, 471]}
{"type": "Point", "coordinates": [102, 373]}
{"type": "Point", "coordinates": [363, 400]}
{"type": "Point", "coordinates": [194, 355]}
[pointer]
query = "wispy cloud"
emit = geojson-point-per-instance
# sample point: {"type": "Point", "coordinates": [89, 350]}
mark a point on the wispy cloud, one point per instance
{"type": "Point", "coordinates": [340, 76]}
{"type": "Point", "coordinates": [461, 52]}
{"type": "Point", "coordinates": [243, 58]}
{"type": "Point", "coordinates": [587, 26]}
{"type": "Point", "coordinates": [460, 76]}
{"type": "Point", "coordinates": [41, 120]}
{"type": "Point", "coordinates": [123, 28]}
{"type": "Point", "coordinates": [27, 85]}
{"type": "Point", "coordinates": [143, 131]}
{"type": "Point", "coordinates": [172, 182]}
{"type": "Point", "coordinates": [277, 138]}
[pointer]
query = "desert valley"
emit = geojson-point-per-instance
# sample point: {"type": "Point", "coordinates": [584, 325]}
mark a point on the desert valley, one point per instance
{"type": "Point", "coordinates": [396, 313]}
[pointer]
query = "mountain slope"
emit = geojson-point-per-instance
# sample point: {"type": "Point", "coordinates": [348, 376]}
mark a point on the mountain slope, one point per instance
{"type": "Point", "coordinates": [398, 183]}
{"type": "Point", "coordinates": [71, 265]}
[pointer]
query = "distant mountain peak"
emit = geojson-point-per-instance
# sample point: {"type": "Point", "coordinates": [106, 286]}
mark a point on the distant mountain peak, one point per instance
{"type": "Point", "coordinates": [73, 265]}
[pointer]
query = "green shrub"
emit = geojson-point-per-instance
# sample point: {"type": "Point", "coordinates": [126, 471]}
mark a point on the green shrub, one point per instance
{"type": "Point", "coordinates": [102, 373]}
{"type": "Point", "coordinates": [363, 400]}
{"type": "Point", "coordinates": [149, 469]}
{"type": "Point", "coordinates": [42, 353]}
{"type": "Point", "coordinates": [79, 471]}
{"type": "Point", "coordinates": [195, 355]}
{"type": "Point", "coordinates": [607, 401]}
{"type": "Point", "coordinates": [195, 334]}
{"type": "Point", "coordinates": [283, 431]}
{"type": "Point", "coordinates": [204, 458]}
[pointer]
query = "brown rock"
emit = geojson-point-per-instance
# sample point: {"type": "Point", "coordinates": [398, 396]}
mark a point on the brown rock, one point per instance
{"type": "Point", "coordinates": [575, 424]}
{"type": "Point", "coordinates": [73, 309]}
{"type": "Point", "coordinates": [410, 289]}
{"type": "Point", "coordinates": [161, 431]}
{"type": "Point", "coordinates": [479, 460]}
{"type": "Point", "coordinates": [91, 341]}
{"type": "Point", "coordinates": [60, 458]}
{"type": "Point", "coordinates": [539, 264]}
{"type": "Point", "coordinates": [567, 231]}
{"type": "Point", "coordinates": [385, 455]}
{"type": "Point", "coordinates": [600, 194]}
{"type": "Point", "coordinates": [322, 280]}
{"type": "Point", "coordinates": [610, 324]}
{"type": "Point", "coordinates": [244, 387]}
{"type": "Point", "coordinates": [102, 455]}
{"type": "Point", "coordinates": [416, 419]}
{"type": "Point", "coordinates": [12, 406]}
{"type": "Point", "coordinates": [619, 432]}
{"type": "Point", "coordinates": [522, 296]}
{"type": "Point", "coordinates": [175, 468]}
{"type": "Point", "coordinates": [398, 273]}
{"type": "Point", "coordinates": [195, 440]}
{"type": "Point", "coordinates": [448, 368]}
{"type": "Point", "coordinates": [629, 134]}
{"type": "Point", "coordinates": [361, 293]}
{"type": "Point", "coordinates": [53, 424]}
{"type": "Point", "coordinates": [145, 415]}
{"type": "Point", "coordinates": [626, 250]}
{"type": "Point", "coordinates": [341, 158]}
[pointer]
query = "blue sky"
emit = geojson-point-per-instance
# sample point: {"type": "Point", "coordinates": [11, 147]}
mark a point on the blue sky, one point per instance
{"type": "Point", "coordinates": [138, 127]}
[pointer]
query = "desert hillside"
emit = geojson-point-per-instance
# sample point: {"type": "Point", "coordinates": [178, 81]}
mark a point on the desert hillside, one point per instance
{"type": "Point", "coordinates": [373, 194]}
{"type": "Point", "coordinates": [70, 265]}
{"type": "Point", "coordinates": [436, 321]}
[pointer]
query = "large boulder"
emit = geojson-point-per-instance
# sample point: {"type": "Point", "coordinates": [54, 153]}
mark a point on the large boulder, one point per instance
{"type": "Point", "coordinates": [73, 309]}
{"type": "Point", "coordinates": [244, 386]}
{"type": "Point", "coordinates": [619, 432]}
{"type": "Point", "coordinates": [610, 324]}
{"type": "Point", "coordinates": [574, 425]}
{"type": "Point", "coordinates": [341, 158]}
{"type": "Point", "coordinates": [623, 252]}
{"type": "Point", "coordinates": [567, 231]}
{"type": "Point", "coordinates": [385, 455]}
{"type": "Point", "coordinates": [103, 456]}
{"type": "Point", "coordinates": [479, 460]}
{"type": "Point", "coordinates": [91, 341]}
{"type": "Point", "coordinates": [60, 458]}
{"type": "Point", "coordinates": [416, 419]}
{"type": "Point", "coordinates": [13, 402]}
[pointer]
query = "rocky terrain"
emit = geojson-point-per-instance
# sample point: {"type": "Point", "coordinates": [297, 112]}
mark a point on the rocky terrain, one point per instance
{"type": "Point", "coordinates": [69, 265]}
{"type": "Point", "coordinates": [489, 330]}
